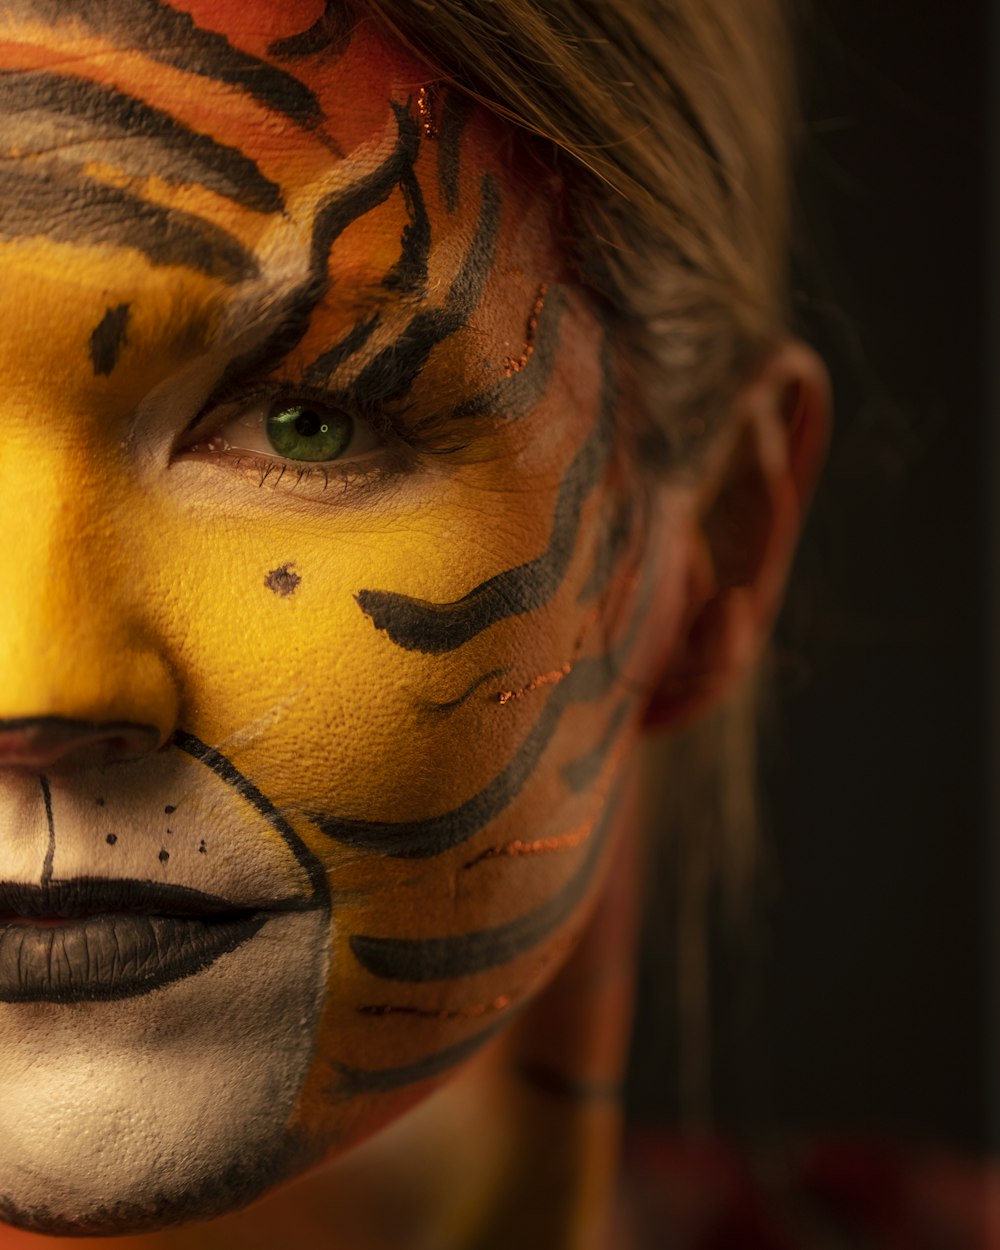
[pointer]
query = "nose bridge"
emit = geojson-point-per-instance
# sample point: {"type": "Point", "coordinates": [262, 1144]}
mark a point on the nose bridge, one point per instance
{"type": "Point", "coordinates": [75, 645]}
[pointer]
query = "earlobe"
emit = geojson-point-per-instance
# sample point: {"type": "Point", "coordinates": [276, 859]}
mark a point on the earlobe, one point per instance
{"type": "Point", "coordinates": [747, 516]}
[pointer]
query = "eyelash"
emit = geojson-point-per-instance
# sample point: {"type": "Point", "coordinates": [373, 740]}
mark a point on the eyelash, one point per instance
{"type": "Point", "coordinates": [410, 441]}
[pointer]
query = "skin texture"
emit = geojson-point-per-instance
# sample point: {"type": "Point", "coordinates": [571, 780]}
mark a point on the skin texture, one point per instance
{"type": "Point", "coordinates": [377, 706]}
{"type": "Point", "coordinates": [316, 776]}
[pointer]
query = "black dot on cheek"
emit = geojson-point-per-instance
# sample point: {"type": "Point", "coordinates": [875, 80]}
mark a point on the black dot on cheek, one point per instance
{"type": "Point", "coordinates": [111, 839]}
{"type": "Point", "coordinates": [283, 581]}
{"type": "Point", "coordinates": [202, 849]}
{"type": "Point", "coordinates": [99, 802]}
{"type": "Point", "coordinates": [164, 856]}
{"type": "Point", "coordinates": [170, 809]}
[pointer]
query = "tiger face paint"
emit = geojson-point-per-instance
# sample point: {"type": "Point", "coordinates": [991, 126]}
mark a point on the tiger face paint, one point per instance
{"type": "Point", "coordinates": [323, 618]}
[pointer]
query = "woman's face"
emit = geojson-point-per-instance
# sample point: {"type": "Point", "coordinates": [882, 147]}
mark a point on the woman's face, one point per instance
{"type": "Point", "coordinates": [325, 588]}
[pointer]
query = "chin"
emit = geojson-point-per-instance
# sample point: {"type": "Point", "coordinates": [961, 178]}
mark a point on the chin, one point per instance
{"type": "Point", "coordinates": [169, 1106]}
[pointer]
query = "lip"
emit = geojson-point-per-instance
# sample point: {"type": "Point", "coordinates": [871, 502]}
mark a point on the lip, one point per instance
{"type": "Point", "coordinates": [97, 939]}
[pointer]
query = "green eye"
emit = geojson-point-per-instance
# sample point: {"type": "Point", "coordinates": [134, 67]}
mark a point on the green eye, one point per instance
{"type": "Point", "coordinates": [301, 433]}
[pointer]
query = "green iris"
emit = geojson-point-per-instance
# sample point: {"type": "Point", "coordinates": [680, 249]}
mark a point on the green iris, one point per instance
{"type": "Point", "coordinates": [301, 433]}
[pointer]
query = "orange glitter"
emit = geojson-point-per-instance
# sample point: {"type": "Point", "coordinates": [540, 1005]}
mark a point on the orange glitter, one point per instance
{"type": "Point", "coordinates": [546, 679]}
{"type": "Point", "coordinates": [425, 112]}
{"type": "Point", "coordinates": [539, 846]}
{"type": "Point", "coordinates": [557, 675]}
{"type": "Point", "coordinates": [513, 364]}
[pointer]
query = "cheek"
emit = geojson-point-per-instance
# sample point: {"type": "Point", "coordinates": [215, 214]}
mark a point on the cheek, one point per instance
{"type": "Point", "coordinates": [446, 753]}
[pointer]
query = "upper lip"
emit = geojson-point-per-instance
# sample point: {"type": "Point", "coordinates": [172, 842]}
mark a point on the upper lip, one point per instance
{"type": "Point", "coordinates": [84, 897]}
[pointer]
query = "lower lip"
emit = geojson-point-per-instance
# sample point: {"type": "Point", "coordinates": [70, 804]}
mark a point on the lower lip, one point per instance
{"type": "Point", "coordinates": [108, 957]}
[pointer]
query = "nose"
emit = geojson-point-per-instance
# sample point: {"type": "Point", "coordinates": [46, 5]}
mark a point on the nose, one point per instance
{"type": "Point", "coordinates": [86, 676]}
{"type": "Point", "coordinates": [46, 743]}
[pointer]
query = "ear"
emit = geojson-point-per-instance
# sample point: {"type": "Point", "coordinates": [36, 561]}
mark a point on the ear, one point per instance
{"type": "Point", "coordinates": [746, 516]}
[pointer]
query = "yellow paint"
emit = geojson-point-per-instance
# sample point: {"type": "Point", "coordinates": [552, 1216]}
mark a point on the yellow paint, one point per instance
{"type": "Point", "coordinates": [134, 567]}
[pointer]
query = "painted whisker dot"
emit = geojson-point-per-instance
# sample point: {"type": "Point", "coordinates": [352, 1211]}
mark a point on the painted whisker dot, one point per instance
{"type": "Point", "coordinates": [164, 856]}
{"type": "Point", "coordinates": [202, 849]}
{"type": "Point", "coordinates": [99, 802]}
{"type": "Point", "coordinates": [111, 839]}
{"type": "Point", "coordinates": [170, 809]}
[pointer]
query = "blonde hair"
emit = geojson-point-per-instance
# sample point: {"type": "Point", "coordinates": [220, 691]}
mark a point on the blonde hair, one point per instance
{"type": "Point", "coordinates": [672, 121]}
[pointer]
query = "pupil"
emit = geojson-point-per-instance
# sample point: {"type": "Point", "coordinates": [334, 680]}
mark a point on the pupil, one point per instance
{"type": "Point", "coordinates": [307, 423]}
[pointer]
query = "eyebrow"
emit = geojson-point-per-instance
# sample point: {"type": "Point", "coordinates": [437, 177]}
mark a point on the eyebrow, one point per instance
{"type": "Point", "coordinates": [289, 317]}
{"type": "Point", "coordinates": [392, 373]}
{"type": "Point", "coordinates": [173, 38]}
{"type": "Point", "coordinates": [50, 112]}
{"type": "Point", "coordinates": [101, 214]}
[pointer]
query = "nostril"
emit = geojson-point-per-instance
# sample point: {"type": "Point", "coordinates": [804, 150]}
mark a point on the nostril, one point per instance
{"type": "Point", "coordinates": [47, 742]}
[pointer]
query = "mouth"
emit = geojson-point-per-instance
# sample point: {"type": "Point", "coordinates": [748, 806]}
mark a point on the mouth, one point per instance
{"type": "Point", "coordinates": [94, 939]}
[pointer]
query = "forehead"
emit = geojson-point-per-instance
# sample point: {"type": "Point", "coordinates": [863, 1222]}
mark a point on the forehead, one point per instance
{"type": "Point", "coordinates": [196, 164]}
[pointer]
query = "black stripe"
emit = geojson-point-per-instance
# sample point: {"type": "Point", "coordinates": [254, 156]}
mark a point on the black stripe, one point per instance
{"type": "Point", "coordinates": [409, 274]}
{"type": "Point", "coordinates": [330, 33]}
{"type": "Point", "coordinates": [82, 121]}
{"type": "Point", "coordinates": [68, 208]}
{"type": "Point", "coordinates": [226, 771]}
{"type": "Point", "coordinates": [426, 705]}
{"type": "Point", "coordinates": [454, 115]}
{"type": "Point", "coordinates": [382, 1080]}
{"type": "Point", "coordinates": [332, 218]}
{"type": "Point", "coordinates": [50, 852]}
{"type": "Point", "coordinates": [432, 628]}
{"type": "Point", "coordinates": [331, 360]}
{"type": "Point", "coordinates": [442, 958]}
{"type": "Point", "coordinates": [578, 774]}
{"type": "Point", "coordinates": [515, 397]}
{"type": "Point", "coordinates": [108, 339]}
{"type": "Point", "coordinates": [590, 680]}
{"type": "Point", "coordinates": [163, 34]}
{"type": "Point", "coordinates": [389, 377]}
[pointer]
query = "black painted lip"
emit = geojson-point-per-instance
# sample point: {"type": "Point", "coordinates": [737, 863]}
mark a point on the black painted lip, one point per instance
{"type": "Point", "coordinates": [125, 937]}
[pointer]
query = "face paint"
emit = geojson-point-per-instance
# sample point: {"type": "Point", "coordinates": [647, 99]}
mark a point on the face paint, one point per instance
{"type": "Point", "coordinates": [321, 634]}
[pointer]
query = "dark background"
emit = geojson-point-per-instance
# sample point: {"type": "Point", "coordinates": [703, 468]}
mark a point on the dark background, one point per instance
{"type": "Point", "coordinates": [858, 997]}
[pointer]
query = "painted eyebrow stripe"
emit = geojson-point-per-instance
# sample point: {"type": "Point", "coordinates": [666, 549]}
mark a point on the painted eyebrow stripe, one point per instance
{"type": "Point", "coordinates": [409, 274]}
{"type": "Point", "coordinates": [421, 960]}
{"type": "Point", "coordinates": [332, 218]}
{"type": "Point", "coordinates": [454, 115]}
{"type": "Point", "coordinates": [43, 111]}
{"type": "Point", "coordinates": [80, 211]}
{"type": "Point", "coordinates": [383, 1080]}
{"type": "Point", "coordinates": [392, 373]}
{"type": "Point", "coordinates": [353, 341]}
{"type": "Point", "coordinates": [433, 628]}
{"type": "Point", "coordinates": [330, 33]}
{"type": "Point", "coordinates": [171, 37]}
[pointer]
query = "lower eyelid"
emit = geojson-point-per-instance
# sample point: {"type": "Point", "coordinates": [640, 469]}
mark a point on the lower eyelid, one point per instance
{"type": "Point", "coordinates": [356, 477]}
